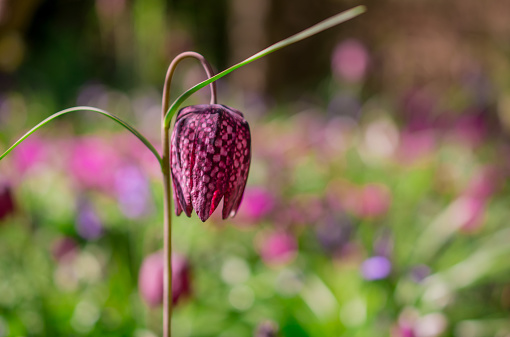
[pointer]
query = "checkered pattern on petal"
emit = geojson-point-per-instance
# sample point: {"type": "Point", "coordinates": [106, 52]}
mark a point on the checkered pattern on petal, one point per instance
{"type": "Point", "coordinates": [241, 157]}
{"type": "Point", "coordinates": [183, 159]}
{"type": "Point", "coordinates": [210, 159]}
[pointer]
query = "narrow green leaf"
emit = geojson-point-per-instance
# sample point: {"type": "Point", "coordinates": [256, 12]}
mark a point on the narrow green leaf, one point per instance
{"type": "Point", "coordinates": [321, 26]}
{"type": "Point", "coordinates": [86, 108]}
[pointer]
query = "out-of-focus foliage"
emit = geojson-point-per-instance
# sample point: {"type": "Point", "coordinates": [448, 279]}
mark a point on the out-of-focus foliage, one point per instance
{"type": "Point", "coordinates": [377, 202]}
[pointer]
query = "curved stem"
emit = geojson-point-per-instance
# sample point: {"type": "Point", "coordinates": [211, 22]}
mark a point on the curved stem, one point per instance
{"type": "Point", "coordinates": [167, 189]}
{"type": "Point", "coordinates": [170, 73]}
{"type": "Point", "coordinates": [131, 129]}
{"type": "Point", "coordinates": [321, 26]}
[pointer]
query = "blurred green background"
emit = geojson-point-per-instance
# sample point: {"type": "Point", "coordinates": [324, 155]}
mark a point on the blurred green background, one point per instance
{"type": "Point", "coordinates": [377, 202]}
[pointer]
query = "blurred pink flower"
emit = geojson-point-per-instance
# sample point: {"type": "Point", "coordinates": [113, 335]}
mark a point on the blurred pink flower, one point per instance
{"type": "Point", "coordinates": [150, 278]}
{"type": "Point", "coordinates": [484, 182]}
{"type": "Point", "coordinates": [373, 200]}
{"type": "Point", "coordinates": [277, 248]}
{"type": "Point", "coordinates": [258, 202]}
{"type": "Point", "coordinates": [93, 163]}
{"type": "Point", "coordinates": [6, 201]}
{"type": "Point", "coordinates": [29, 153]}
{"type": "Point", "coordinates": [415, 145]}
{"type": "Point", "coordinates": [350, 60]}
{"type": "Point", "coordinates": [473, 210]}
{"type": "Point", "coordinates": [472, 204]}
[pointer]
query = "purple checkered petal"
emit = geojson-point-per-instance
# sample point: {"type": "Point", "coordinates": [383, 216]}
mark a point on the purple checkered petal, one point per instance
{"type": "Point", "coordinates": [210, 158]}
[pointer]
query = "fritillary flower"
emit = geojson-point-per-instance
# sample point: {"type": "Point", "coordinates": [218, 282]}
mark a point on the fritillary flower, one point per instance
{"type": "Point", "coordinates": [210, 159]}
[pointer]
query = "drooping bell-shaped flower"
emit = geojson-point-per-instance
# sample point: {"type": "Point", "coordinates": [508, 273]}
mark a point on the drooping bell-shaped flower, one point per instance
{"type": "Point", "coordinates": [210, 159]}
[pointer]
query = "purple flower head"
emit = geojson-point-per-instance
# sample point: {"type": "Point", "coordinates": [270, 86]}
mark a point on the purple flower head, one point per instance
{"type": "Point", "coordinates": [210, 159]}
{"type": "Point", "coordinates": [88, 224]}
{"type": "Point", "coordinates": [376, 268]}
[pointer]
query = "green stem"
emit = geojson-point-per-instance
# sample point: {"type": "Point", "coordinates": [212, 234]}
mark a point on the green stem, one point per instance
{"type": "Point", "coordinates": [321, 26]}
{"type": "Point", "coordinates": [167, 181]}
{"type": "Point", "coordinates": [144, 140]}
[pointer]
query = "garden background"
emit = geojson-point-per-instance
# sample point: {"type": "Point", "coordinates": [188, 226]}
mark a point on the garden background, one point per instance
{"type": "Point", "coordinates": [377, 202]}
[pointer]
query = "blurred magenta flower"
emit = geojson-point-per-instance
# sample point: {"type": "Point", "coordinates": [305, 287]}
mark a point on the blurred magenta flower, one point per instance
{"type": "Point", "coordinates": [132, 190]}
{"type": "Point", "coordinates": [210, 159]}
{"type": "Point", "coordinates": [6, 201]}
{"type": "Point", "coordinates": [88, 224]}
{"type": "Point", "coordinates": [150, 279]}
{"type": "Point", "coordinates": [29, 153]}
{"type": "Point", "coordinates": [277, 248]}
{"type": "Point", "coordinates": [376, 268]}
{"type": "Point", "coordinates": [258, 203]}
{"type": "Point", "coordinates": [350, 60]}
{"type": "Point", "coordinates": [93, 163]}
{"type": "Point", "coordinates": [471, 128]}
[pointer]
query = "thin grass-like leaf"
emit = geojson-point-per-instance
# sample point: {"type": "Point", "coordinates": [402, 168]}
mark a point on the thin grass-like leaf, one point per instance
{"type": "Point", "coordinates": [321, 26]}
{"type": "Point", "coordinates": [86, 108]}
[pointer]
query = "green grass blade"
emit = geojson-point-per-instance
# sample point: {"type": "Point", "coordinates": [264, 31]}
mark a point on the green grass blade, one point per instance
{"type": "Point", "coordinates": [321, 26]}
{"type": "Point", "coordinates": [85, 108]}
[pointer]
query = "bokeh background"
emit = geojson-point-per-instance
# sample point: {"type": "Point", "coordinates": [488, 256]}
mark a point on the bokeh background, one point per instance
{"type": "Point", "coordinates": [377, 202]}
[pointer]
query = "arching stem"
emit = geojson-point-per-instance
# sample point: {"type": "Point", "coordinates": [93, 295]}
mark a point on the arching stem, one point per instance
{"type": "Point", "coordinates": [165, 167]}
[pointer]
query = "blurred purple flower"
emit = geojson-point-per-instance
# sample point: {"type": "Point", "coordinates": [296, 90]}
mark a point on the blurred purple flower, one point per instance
{"type": "Point", "coordinates": [376, 268]}
{"type": "Point", "coordinates": [420, 272]}
{"type": "Point", "coordinates": [277, 248]}
{"type": "Point", "coordinates": [150, 278]}
{"type": "Point", "coordinates": [132, 190]}
{"type": "Point", "coordinates": [210, 159]}
{"type": "Point", "coordinates": [258, 203]}
{"type": "Point", "coordinates": [350, 60]}
{"type": "Point", "coordinates": [334, 233]}
{"type": "Point", "coordinates": [6, 201]}
{"type": "Point", "coordinates": [266, 329]}
{"type": "Point", "coordinates": [93, 163]}
{"type": "Point", "coordinates": [88, 224]}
